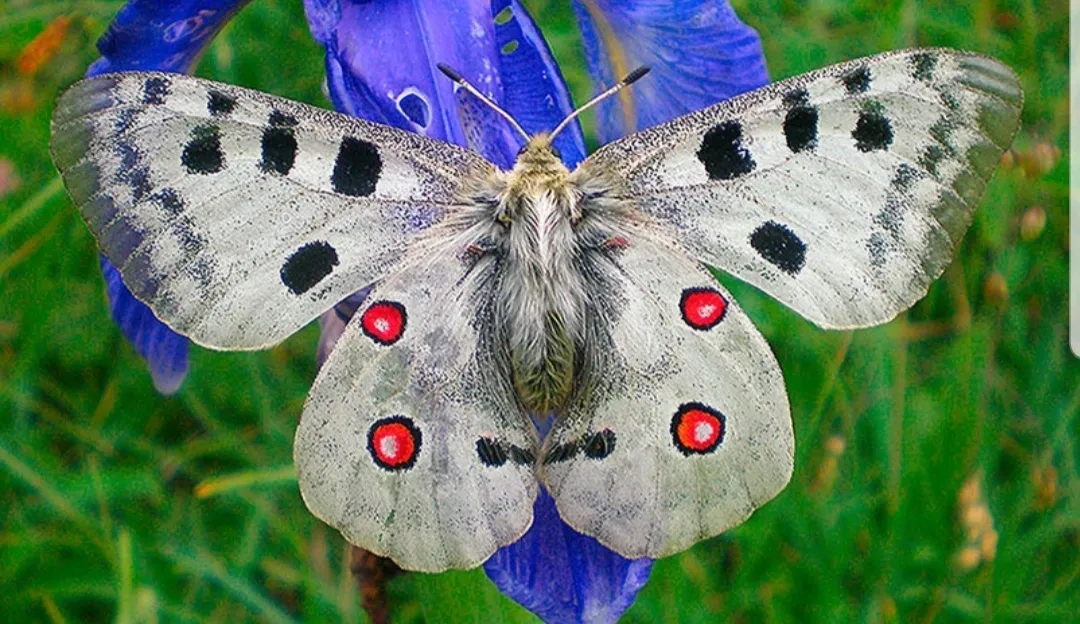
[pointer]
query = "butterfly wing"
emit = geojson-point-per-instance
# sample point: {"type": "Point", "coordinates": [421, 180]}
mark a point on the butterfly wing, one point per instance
{"type": "Point", "coordinates": [238, 216]}
{"type": "Point", "coordinates": [841, 192]}
{"type": "Point", "coordinates": [411, 442]}
{"type": "Point", "coordinates": [685, 429]}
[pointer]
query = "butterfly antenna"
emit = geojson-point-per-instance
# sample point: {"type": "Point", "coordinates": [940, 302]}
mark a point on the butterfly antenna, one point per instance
{"type": "Point", "coordinates": [464, 84]}
{"type": "Point", "coordinates": [630, 79]}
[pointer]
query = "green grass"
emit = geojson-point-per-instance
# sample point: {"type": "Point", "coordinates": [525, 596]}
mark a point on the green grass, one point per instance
{"type": "Point", "coordinates": [100, 517]}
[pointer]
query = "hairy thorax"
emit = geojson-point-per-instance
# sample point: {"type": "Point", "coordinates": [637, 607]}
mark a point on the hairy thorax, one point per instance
{"type": "Point", "coordinates": [541, 227]}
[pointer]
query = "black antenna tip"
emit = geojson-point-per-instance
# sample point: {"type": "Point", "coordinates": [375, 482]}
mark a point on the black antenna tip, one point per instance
{"type": "Point", "coordinates": [635, 75]}
{"type": "Point", "coordinates": [450, 73]}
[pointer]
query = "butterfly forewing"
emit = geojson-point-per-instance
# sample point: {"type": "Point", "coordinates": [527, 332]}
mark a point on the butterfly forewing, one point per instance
{"type": "Point", "coordinates": [238, 216]}
{"type": "Point", "coordinates": [686, 427]}
{"type": "Point", "coordinates": [411, 442]}
{"type": "Point", "coordinates": [841, 192]}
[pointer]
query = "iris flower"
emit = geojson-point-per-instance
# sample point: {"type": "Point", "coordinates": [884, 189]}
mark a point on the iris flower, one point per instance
{"type": "Point", "coordinates": [381, 65]}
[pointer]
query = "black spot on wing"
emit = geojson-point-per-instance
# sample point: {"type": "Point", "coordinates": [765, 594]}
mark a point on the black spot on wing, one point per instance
{"type": "Point", "coordinates": [125, 120]}
{"type": "Point", "coordinates": [877, 249]}
{"type": "Point", "coordinates": [491, 453]}
{"type": "Point", "coordinates": [139, 181]}
{"type": "Point", "coordinates": [722, 152]}
{"type": "Point", "coordinates": [600, 444]}
{"type": "Point", "coordinates": [873, 131]}
{"type": "Point", "coordinates": [923, 64]}
{"type": "Point", "coordinates": [132, 172]}
{"type": "Point", "coordinates": [905, 177]}
{"type": "Point", "coordinates": [857, 80]}
{"type": "Point", "coordinates": [169, 200]}
{"type": "Point", "coordinates": [279, 144]}
{"type": "Point", "coordinates": [931, 157]}
{"type": "Point", "coordinates": [949, 100]}
{"type": "Point", "coordinates": [801, 121]}
{"type": "Point", "coordinates": [220, 104]}
{"type": "Point", "coordinates": [891, 217]}
{"type": "Point", "coordinates": [202, 153]}
{"type": "Point", "coordinates": [308, 266]}
{"type": "Point", "coordinates": [521, 457]}
{"type": "Point", "coordinates": [796, 97]}
{"type": "Point", "coordinates": [357, 168]}
{"type": "Point", "coordinates": [155, 90]}
{"type": "Point", "coordinates": [191, 242]}
{"type": "Point", "coordinates": [779, 246]}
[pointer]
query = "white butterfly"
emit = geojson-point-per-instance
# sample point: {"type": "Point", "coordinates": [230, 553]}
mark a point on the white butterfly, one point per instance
{"type": "Point", "coordinates": [238, 217]}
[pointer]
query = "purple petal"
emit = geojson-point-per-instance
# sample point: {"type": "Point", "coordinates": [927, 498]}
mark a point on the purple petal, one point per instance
{"type": "Point", "coordinates": [700, 54]}
{"type": "Point", "coordinates": [332, 323]}
{"type": "Point", "coordinates": [164, 350]}
{"type": "Point", "coordinates": [381, 65]}
{"type": "Point", "coordinates": [168, 36]}
{"type": "Point", "coordinates": [564, 576]}
{"type": "Point", "coordinates": [534, 91]}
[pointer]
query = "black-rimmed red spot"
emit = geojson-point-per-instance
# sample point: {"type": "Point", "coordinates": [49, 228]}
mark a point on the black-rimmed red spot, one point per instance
{"type": "Point", "coordinates": [384, 322]}
{"type": "Point", "coordinates": [702, 308]}
{"type": "Point", "coordinates": [697, 428]}
{"type": "Point", "coordinates": [394, 443]}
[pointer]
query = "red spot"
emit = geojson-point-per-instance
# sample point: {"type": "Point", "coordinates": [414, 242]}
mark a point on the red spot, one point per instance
{"type": "Point", "coordinates": [394, 442]}
{"type": "Point", "coordinates": [702, 308]}
{"type": "Point", "coordinates": [697, 428]}
{"type": "Point", "coordinates": [616, 242]}
{"type": "Point", "coordinates": [384, 322]}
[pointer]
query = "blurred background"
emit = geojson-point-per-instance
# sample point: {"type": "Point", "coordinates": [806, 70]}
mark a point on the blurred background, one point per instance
{"type": "Point", "coordinates": [937, 456]}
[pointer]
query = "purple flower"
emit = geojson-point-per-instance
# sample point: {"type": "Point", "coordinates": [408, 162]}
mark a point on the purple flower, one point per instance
{"type": "Point", "coordinates": [381, 65]}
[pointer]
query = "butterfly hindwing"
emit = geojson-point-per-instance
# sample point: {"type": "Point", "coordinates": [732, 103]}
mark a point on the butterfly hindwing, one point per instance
{"type": "Point", "coordinates": [411, 443]}
{"type": "Point", "coordinates": [238, 216]}
{"type": "Point", "coordinates": [841, 192]}
{"type": "Point", "coordinates": [685, 429]}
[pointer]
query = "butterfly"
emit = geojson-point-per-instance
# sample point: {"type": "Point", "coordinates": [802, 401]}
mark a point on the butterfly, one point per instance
{"type": "Point", "coordinates": [581, 299]}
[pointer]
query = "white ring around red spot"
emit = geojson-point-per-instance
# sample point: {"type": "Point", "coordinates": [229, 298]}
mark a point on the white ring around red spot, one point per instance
{"type": "Point", "coordinates": [384, 322]}
{"type": "Point", "coordinates": [702, 308]}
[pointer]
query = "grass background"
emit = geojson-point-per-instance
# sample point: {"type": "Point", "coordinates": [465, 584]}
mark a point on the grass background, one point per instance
{"type": "Point", "coordinates": [119, 504]}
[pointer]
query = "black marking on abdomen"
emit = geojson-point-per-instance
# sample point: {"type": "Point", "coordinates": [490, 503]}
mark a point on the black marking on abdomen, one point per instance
{"type": "Point", "coordinates": [279, 144]}
{"type": "Point", "coordinates": [872, 132]}
{"type": "Point", "coordinates": [722, 152]}
{"type": "Point", "coordinates": [202, 154]}
{"type": "Point", "coordinates": [220, 104]}
{"type": "Point", "coordinates": [857, 80]}
{"type": "Point", "coordinates": [801, 121]}
{"type": "Point", "coordinates": [600, 444]}
{"type": "Point", "coordinates": [308, 266]}
{"type": "Point", "coordinates": [155, 90]}
{"type": "Point", "coordinates": [777, 244]}
{"type": "Point", "coordinates": [357, 168]}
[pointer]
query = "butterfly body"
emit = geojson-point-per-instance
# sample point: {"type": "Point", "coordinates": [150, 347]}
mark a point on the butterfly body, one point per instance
{"type": "Point", "coordinates": [497, 296]}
